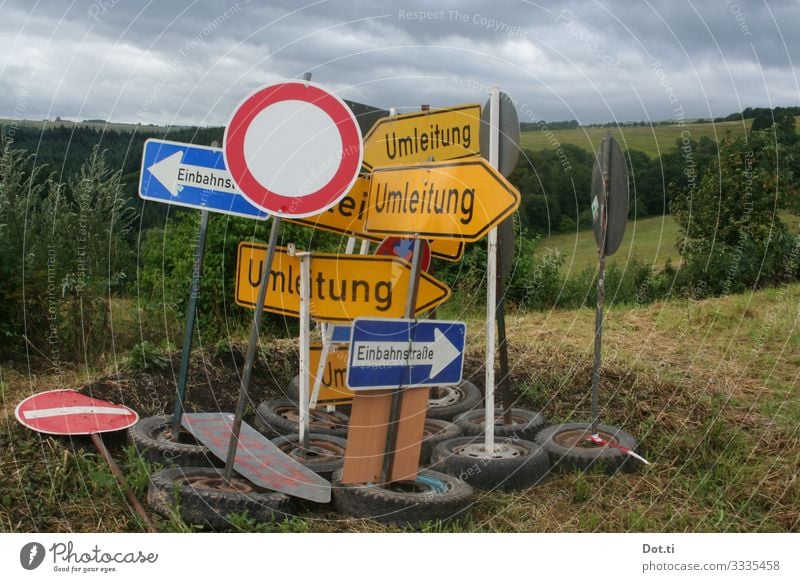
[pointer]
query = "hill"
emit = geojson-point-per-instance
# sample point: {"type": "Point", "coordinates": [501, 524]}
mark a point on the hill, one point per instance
{"type": "Point", "coordinates": [654, 141]}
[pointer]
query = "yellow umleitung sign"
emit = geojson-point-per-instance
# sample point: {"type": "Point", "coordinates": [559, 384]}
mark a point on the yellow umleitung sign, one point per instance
{"type": "Point", "coordinates": [333, 389]}
{"type": "Point", "coordinates": [444, 134]}
{"type": "Point", "coordinates": [460, 199]}
{"type": "Point", "coordinates": [347, 217]}
{"type": "Point", "coordinates": [343, 287]}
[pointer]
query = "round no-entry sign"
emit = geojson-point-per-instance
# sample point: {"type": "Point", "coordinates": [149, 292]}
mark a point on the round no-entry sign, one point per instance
{"type": "Point", "coordinates": [294, 149]}
{"type": "Point", "coordinates": [66, 412]}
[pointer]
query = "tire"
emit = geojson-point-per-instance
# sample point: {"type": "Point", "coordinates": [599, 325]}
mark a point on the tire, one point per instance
{"type": "Point", "coordinates": [326, 452]}
{"type": "Point", "coordinates": [560, 443]}
{"type": "Point", "coordinates": [170, 492]}
{"type": "Point", "coordinates": [276, 418]}
{"type": "Point", "coordinates": [436, 431]}
{"type": "Point", "coordinates": [525, 423]}
{"type": "Point", "coordinates": [522, 464]}
{"type": "Point", "coordinates": [152, 437]}
{"type": "Point", "coordinates": [433, 496]}
{"type": "Point", "coordinates": [446, 402]}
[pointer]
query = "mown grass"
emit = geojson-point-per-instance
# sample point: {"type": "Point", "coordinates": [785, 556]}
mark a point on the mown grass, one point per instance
{"type": "Point", "coordinates": [654, 141]}
{"type": "Point", "coordinates": [710, 389]}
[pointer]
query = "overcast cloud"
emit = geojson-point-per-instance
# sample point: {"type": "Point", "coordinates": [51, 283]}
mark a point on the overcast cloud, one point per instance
{"type": "Point", "coordinates": [192, 62]}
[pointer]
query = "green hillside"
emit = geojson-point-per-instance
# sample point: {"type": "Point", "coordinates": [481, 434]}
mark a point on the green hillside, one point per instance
{"type": "Point", "coordinates": [649, 240]}
{"type": "Point", "coordinates": [654, 141]}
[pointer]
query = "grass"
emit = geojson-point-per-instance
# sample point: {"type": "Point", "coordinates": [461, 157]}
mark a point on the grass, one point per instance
{"type": "Point", "coordinates": [708, 387]}
{"type": "Point", "coordinates": [654, 141]}
{"type": "Point", "coordinates": [98, 125]}
{"type": "Point", "coordinates": [649, 240]}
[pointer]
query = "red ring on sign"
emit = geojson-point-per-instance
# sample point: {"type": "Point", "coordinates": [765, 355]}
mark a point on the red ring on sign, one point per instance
{"type": "Point", "coordinates": [274, 202]}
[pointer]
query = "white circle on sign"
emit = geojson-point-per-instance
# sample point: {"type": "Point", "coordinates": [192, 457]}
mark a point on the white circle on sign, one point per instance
{"type": "Point", "coordinates": [277, 150]}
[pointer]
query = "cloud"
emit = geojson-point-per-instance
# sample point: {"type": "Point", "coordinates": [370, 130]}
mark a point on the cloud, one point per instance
{"type": "Point", "coordinates": [160, 62]}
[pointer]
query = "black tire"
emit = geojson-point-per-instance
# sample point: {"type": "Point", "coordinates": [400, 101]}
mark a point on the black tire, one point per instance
{"type": "Point", "coordinates": [563, 443]}
{"type": "Point", "coordinates": [433, 496]}
{"type": "Point", "coordinates": [293, 389]}
{"type": "Point", "coordinates": [276, 418]}
{"type": "Point", "coordinates": [210, 501]}
{"type": "Point", "coordinates": [325, 453]}
{"type": "Point", "coordinates": [152, 437]}
{"type": "Point", "coordinates": [521, 465]}
{"type": "Point", "coordinates": [525, 423]}
{"type": "Point", "coordinates": [446, 402]}
{"type": "Point", "coordinates": [436, 431]}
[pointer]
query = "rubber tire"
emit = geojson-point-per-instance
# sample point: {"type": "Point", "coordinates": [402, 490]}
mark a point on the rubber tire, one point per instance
{"type": "Point", "coordinates": [323, 468]}
{"type": "Point", "coordinates": [409, 509]}
{"type": "Point", "coordinates": [168, 495]}
{"type": "Point", "coordinates": [272, 424]}
{"type": "Point", "coordinates": [503, 474]}
{"type": "Point", "coordinates": [469, 397]}
{"type": "Point", "coordinates": [436, 431]}
{"type": "Point", "coordinates": [526, 428]}
{"type": "Point", "coordinates": [152, 437]}
{"type": "Point", "coordinates": [568, 459]}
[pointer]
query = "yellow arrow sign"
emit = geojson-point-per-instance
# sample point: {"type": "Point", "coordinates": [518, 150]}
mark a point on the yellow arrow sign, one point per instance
{"type": "Point", "coordinates": [445, 134]}
{"type": "Point", "coordinates": [460, 199]}
{"type": "Point", "coordinates": [343, 287]}
{"type": "Point", "coordinates": [347, 217]}
{"type": "Point", "coordinates": [333, 388]}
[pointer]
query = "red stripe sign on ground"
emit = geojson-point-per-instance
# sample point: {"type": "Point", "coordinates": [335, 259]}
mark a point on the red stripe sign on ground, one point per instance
{"type": "Point", "coordinates": [66, 412]}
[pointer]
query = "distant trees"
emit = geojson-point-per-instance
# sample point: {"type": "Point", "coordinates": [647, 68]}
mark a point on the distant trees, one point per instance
{"type": "Point", "coordinates": [731, 235]}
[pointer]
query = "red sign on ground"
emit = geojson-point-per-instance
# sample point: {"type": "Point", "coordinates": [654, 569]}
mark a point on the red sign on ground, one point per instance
{"type": "Point", "coordinates": [66, 412]}
{"type": "Point", "coordinates": [294, 149]}
{"type": "Point", "coordinates": [257, 458]}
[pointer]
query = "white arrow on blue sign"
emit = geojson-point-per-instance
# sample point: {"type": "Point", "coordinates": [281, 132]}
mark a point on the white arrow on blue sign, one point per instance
{"type": "Point", "coordinates": [192, 176]}
{"type": "Point", "coordinates": [392, 353]}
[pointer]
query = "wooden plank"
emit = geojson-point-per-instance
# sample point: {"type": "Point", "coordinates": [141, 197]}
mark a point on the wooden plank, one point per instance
{"type": "Point", "coordinates": [366, 436]}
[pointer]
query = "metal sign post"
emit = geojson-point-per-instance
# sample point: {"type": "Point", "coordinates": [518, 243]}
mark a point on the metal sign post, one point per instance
{"type": "Point", "coordinates": [491, 280]}
{"type": "Point", "coordinates": [305, 321]}
{"type": "Point", "coordinates": [252, 346]}
{"type": "Point", "coordinates": [397, 395]}
{"type": "Point", "coordinates": [188, 334]}
{"type": "Point", "coordinates": [610, 214]}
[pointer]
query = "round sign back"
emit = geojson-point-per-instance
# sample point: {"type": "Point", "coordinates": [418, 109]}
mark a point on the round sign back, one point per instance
{"type": "Point", "coordinates": [294, 149]}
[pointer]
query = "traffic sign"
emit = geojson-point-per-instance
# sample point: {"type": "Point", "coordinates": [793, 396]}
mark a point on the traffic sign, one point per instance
{"type": "Point", "coordinates": [193, 176]}
{"type": "Point", "coordinates": [509, 134]}
{"type": "Point", "coordinates": [395, 246]}
{"type": "Point", "coordinates": [343, 287]}
{"type": "Point", "coordinates": [440, 134]}
{"type": "Point", "coordinates": [610, 163]}
{"type": "Point", "coordinates": [66, 412]}
{"type": "Point", "coordinates": [462, 199]}
{"type": "Point", "coordinates": [348, 215]}
{"type": "Point", "coordinates": [257, 458]}
{"type": "Point", "coordinates": [333, 388]}
{"type": "Point", "coordinates": [392, 353]}
{"type": "Point", "coordinates": [294, 149]}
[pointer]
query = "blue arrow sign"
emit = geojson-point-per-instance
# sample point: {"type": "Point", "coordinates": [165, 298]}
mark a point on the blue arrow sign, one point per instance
{"type": "Point", "coordinates": [192, 176]}
{"type": "Point", "coordinates": [390, 353]}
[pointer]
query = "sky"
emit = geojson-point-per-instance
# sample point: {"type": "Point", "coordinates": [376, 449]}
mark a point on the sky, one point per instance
{"type": "Point", "coordinates": [191, 63]}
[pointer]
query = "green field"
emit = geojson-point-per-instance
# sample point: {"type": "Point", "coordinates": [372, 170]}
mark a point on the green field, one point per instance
{"type": "Point", "coordinates": [98, 125]}
{"type": "Point", "coordinates": [650, 241]}
{"type": "Point", "coordinates": [654, 141]}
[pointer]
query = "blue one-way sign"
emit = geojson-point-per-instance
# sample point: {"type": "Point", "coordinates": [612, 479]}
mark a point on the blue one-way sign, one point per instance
{"type": "Point", "coordinates": [193, 176]}
{"type": "Point", "coordinates": [390, 353]}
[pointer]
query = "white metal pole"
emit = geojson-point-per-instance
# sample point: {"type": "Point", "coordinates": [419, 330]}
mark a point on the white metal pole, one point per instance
{"type": "Point", "coordinates": [351, 245]}
{"type": "Point", "coordinates": [364, 248]}
{"type": "Point", "coordinates": [305, 318]}
{"type": "Point", "coordinates": [491, 277]}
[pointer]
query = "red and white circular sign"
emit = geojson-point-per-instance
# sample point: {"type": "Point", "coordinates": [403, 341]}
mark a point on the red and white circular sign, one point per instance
{"type": "Point", "coordinates": [404, 248]}
{"type": "Point", "coordinates": [294, 149]}
{"type": "Point", "coordinates": [66, 412]}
